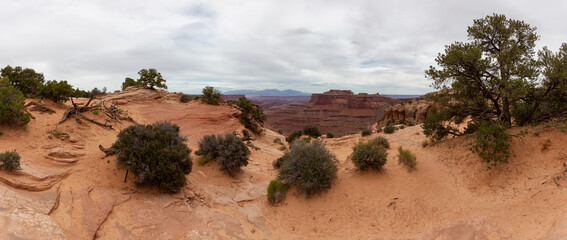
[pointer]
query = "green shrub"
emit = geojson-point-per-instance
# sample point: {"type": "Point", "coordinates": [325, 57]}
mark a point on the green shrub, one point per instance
{"type": "Point", "coordinates": [211, 96]}
{"type": "Point", "coordinates": [296, 134]}
{"type": "Point", "coordinates": [280, 131]}
{"type": "Point", "coordinates": [276, 191]}
{"type": "Point", "coordinates": [10, 160]}
{"type": "Point", "coordinates": [366, 132]}
{"type": "Point", "coordinates": [203, 160]}
{"type": "Point", "coordinates": [279, 161]}
{"type": "Point", "coordinates": [330, 135]}
{"type": "Point", "coordinates": [278, 140]}
{"type": "Point", "coordinates": [283, 147]}
{"type": "Point", "coordinates": [252, 116]}
{"type": "Point", "coordinates": [402, 127]}
{"type": "Point", "coordinates": [229, 151]}
{"type": "Point", "coordinates": [311, 131]}
{"type": "Point", "coordinates": [185, 98]}
{"type": "Point", "coordinates": [95, 112]}
{"type": "Point", "coordinates": [128, 82]}
{"type": "Point", "coordinates": [389, 129]}
{"type": "Point", "coordinates": [156, 154]}
{"type": "Point", "coordinates": [307, 139]}
{"type": "Point", "coordinates": [379, 141]}
{"type": "Point", "coordinates": [368, 156]}
{"type": "Point", "coordinates": [308, 166]}
{"type": "Point", "coordinates": [491, 143]}
{"type": "Point", "coordinates": [245, 134]}
{"type": "Point", "coordinates": [12, 105]}
{"type": "Point", "coordinates": [56, 91]}
{"type": "Point", "coordinates": [407, 158]}
{"type": "Point", "coordinates": [379, 130]}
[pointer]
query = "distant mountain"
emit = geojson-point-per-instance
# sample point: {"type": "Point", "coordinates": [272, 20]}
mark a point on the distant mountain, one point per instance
{"type": "Point", "coordinates": [267, 92]}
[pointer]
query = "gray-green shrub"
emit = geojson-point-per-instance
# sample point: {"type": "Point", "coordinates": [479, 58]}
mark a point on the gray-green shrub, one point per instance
{"type": "Point", "coordinates": [229, 151]}
{"type": "Point", "coordinates": [368, 156]}
{"type": "Point", "coordinates": [276, 191]}
{"type": "Point", "coordinates": [309, 166]}
{"type": "Point", "coordinates": [380, 141]}
{"type": "Point", "coordinates": [407, 158]}
{"type": "Point", "coordinates": [10, 160]}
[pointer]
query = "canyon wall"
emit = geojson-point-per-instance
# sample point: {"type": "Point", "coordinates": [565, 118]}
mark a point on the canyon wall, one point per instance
{"type": "Point", "coordinates": [413, 111]}
{"type": "Point", "coordinates": [337, 111]}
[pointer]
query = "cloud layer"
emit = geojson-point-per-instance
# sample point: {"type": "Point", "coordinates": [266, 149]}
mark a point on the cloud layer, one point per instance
{"type": "Point", "coordinates": [311, 46]}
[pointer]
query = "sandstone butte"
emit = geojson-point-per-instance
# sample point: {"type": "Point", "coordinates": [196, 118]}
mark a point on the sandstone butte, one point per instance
{"type": "Point", "coordinates": [66, 189]}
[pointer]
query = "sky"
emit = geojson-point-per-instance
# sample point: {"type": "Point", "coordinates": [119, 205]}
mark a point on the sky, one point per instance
{"type": "Point", "coordinates": [307, 45]}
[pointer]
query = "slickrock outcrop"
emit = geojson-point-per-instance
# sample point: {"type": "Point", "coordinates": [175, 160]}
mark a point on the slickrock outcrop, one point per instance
{"type": "Point", "coordinates": [336, 111]}
{"type": "Point", "coordinates": [410, 112]}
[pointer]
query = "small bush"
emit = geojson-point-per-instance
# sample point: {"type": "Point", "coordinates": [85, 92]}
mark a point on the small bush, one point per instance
{"type": "Point", "coordinates": [276, 191]}
{"type": "Point", "coordinates": [283, 147]}
{"type": "Point", "coordinates": [368, 156]}
{"type": "Point", "coordinates": [12, 105]}
{"type": "Point", "coordinates": [309, 166]}
{"type": "Point", "coordinates": [203, 160]}
{"type": "Point", "coordinates": [491, 143]}
{"type": "Point", "coordinates": [56, 91]}
{"type": "Point", "coordinates": [156, 154]}
{"type": "Point", "coordinates": [311, 131]}
{"type": "Point", "coordinates": [211, 96]}
{"type": "Point", "coordinates": [296, 134]}
{"type": "Point", "coordinates": [402, 127]}
{"type": "Point", "coordinates": [229, 151]}
{"type": "Point", "coordinates": [245, 134]}
{"type": "Point", "coordinates": [389, 129]}
{"type": "Point", "coordinates": [425, 143]}
{"type": "Point", "coordinates": [330, 135]}
{"type": "Point", "coordinates": [252, 116]}
{"type": "Point", "coordinates": [279, 161]}
{"type": "Point", "coordinates": [407, 158]}
{"type": "Point", "coordinates": [307, 139]}
{"type": "Point", "coordinates": [366, 132]}
{"type": "Point", "coordinates": [95, 112]}
{"type": "Point", "coordinates": [10, 160]}
{"type": "Point", "coordinates": [280, 131]}
{"type": "Point", "coordinates": [278, 140]}
{"type": "Point", "coordinates": [379, 141]}
{"type": "Point", "coordinates": [379, 130]}
{"type": "Point", "coordinates": [185, 98]}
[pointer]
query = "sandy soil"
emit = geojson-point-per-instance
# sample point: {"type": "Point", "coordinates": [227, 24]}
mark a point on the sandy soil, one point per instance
{"type": "Point", "coordinates": [451, 195]}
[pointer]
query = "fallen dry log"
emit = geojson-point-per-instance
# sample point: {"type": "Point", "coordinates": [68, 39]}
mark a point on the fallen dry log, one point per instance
{"type": "Point", "coordinates": [39, 107]}
{"type": "Point", "coordinates": [113, 113]}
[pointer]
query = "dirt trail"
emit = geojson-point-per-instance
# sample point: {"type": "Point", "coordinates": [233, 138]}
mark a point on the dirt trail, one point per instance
{"type": "Point", "coordinates": [67, 188]}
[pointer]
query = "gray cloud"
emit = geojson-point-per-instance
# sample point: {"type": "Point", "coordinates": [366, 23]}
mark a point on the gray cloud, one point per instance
{"type": "Point", "coordinates": [366, 46]}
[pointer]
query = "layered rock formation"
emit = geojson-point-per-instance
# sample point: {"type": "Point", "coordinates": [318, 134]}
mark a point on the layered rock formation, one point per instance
{"type": "Point", "coordinates": [337, 111]}
{"type": "Point", "coordinates": [413, 111]}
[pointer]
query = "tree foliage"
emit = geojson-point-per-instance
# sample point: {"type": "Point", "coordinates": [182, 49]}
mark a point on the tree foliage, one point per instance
{"type": "Point", "coordinates": [211, 96]}
{"type": "Point", "coordinates": [128, 82]}
{"type": "Point", "coordinates": [151, 78]}
{"type": "Point", "coordinates": [24, 79]}
{"type": "Point", "coordinates": [496, 80]}
{"type": "Point", "coordinates": [311, 131]}
{"type": "Point", "coordinates": [56, 90]}
{"type": "Point", "coordinates": [12, 105]}
{"type": "Point", "coordinates": [156, 154]}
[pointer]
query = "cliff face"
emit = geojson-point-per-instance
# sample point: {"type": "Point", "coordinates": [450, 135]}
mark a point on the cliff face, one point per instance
{"type": "Point", "coordinates": [410, 112]}
{"type": "Point", "coordinates": [336, 111]}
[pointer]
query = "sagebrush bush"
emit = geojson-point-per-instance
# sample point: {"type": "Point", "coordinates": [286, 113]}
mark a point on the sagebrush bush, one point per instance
{"type": "Point", "coordinates": [185, 98]}
{"type": "Point", "coordinates": [366, 132]}
{"type": "Point", "coordinates": [311, 131]}
{"type": "Point", "coordinates": [389, 129]}
{"type": "Point", "coordinates": [368, 156]}
{"type": "Point", "coordinates": [278, 140]}
{"type": "Point", "coordinates": [380, 141]}
{"type": "Point", "coordinates": [330, 135]}
{"type": "Point", "coordinates": [12, 105]}
{"type": "Point", "coordinates": [309, 166]}
{"type": "Point", "coordinates": [229, 151]}
{"type": "Point", "coordinates": [276, 191]}
{"type": "Point", "coordinates": [407, 158]}
{"type": "Point", "coordinates": [211, 96]}
{"type": "Point", "coordinates": [156, 154]}
{"type": "Point", "coordinates": [379, 130]}
{"type": "Point", "coordinates": [252, 116]}
{"type": "Point", "coordinates": [10, 160]}
{"type": "Point", "coordinates": [246, 134]}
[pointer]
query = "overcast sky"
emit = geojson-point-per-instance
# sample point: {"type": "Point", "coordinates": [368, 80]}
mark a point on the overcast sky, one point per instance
{"type": "Point", "coordinates": [311, 46]}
